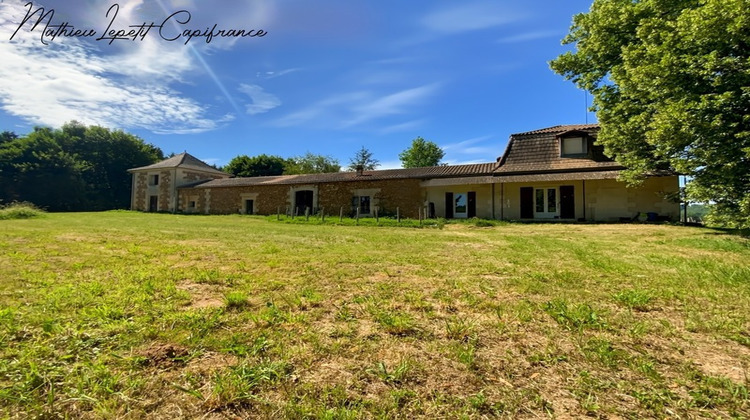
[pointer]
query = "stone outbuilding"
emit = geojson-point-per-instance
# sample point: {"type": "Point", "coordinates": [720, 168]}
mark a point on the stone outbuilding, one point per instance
{"type": "Point", "coordinates": [155, 186]}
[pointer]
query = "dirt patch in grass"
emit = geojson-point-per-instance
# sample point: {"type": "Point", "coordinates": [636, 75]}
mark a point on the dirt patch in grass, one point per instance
{"type": "Point", "coordinates": [203, 295]}
{"type": "Point", "coordinates": [720, 358]}
{"type": "Point", "coordinates": [164, 355]}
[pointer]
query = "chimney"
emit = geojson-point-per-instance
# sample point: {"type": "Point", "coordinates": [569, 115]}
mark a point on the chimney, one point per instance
{"type": "Point", "coordinates": [360, 169]}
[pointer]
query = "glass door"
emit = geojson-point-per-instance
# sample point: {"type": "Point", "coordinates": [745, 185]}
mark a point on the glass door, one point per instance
{"type": "Point", "coordinates": [545, 203]}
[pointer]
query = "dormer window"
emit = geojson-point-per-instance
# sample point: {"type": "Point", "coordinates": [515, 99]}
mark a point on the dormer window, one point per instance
{"type": "Point", "coordinates": [573, 147]}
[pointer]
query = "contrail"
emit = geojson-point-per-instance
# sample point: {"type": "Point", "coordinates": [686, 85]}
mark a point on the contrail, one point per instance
{"type": "Point", "coordinates": [205, 65]}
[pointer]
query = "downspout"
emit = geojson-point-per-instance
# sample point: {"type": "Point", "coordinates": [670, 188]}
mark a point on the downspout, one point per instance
{"type": "Point", "coordinates": [502, 201]}
{"type": "Point", "coordinates": [584, 199]}
{"type": "Point", "coordinates": [493, 200]}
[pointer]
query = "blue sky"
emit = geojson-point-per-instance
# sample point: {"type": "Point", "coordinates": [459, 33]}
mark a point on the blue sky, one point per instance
{"type": "Point", "coordinates": [329, 76]}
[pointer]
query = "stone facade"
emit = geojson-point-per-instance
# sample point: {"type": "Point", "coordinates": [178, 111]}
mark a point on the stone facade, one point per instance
{"type": "Point", "coordinates": [594, 200]}
{"type": "Point", "coordinates": [155, 186]}
{"type": "Point", "coordinates": [533, 180]}
{"type": "Point", "coordinates": [385, 195]}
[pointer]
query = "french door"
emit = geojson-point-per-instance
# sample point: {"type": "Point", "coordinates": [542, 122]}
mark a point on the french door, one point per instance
{"type": "Point", "coordinates": [545, 203]}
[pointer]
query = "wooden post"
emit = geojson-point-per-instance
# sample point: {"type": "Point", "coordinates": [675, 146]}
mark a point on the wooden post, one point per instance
{"type": "Point", "coordinates": [341, 214]}
{"type": "Point", "coordinates": [278, 216]}
{"type": "Point", "coordinates": [307, 214]}
{"type": "Point", "coordinates": [323, 214]}
{"type": "Point", "coordinates": [419, 214]}
{"type": "Point", "coordinates": [398, 215]}
{"type": "Point", "coordinates": [377, 219]}
{"type": "Point", "coordinates": [357, 214]}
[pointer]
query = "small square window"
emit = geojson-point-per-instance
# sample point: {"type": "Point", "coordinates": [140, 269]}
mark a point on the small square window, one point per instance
{"type": "Point", "coordinates": [573, 147]}
{"type": "Point", "coordinates": [191, 204]}
{"type": "Point", "coordinates": [154, 180]}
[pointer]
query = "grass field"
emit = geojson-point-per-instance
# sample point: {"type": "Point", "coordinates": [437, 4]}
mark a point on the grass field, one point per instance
{"type": "Point", "coordinates": [128, 315]}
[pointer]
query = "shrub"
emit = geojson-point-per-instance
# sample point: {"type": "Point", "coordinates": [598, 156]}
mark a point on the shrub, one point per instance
{"type": "Point", "coordinates": [20, 210]}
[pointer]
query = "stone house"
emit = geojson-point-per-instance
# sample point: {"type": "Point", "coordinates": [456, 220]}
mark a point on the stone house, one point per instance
{"type": "Point", "coordinates": [556, 173]}
{"type": "Point", "coordinates": [155, 186]}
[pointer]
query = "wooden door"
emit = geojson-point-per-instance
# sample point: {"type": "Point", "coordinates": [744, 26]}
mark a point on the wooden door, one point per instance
{"type": "Point", "coordinates": [527, 202]}
{"type": "Point", "coordinates": [567, 202]}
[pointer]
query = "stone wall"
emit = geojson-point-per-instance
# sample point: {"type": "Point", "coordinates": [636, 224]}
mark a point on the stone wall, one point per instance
{"type": "Point", "coordinates": [141, 189]}
{"type": "Point", "coordinates": [165, 190]}
{"type": "Point", "coordinates": [404, 194]}
{"type": "Point", "coordinates": [331, 197]}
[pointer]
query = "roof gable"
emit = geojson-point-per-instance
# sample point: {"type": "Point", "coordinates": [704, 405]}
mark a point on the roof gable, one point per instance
{"type": "Point", "coordinates": [183, 160]}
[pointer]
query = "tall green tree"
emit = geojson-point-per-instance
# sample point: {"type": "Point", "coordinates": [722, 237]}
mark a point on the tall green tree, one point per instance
{"type": "Point", "coordinates": [72, 168]}
{"type": "Point", "coordinates": [421, 153]}
{"type": "Point", "coordinates": [107, 154]}
{"type": "Point", "coordinates": [35, 168]}
{"type": "Point", "coordinates": [363, 159]}
{"type": "Point", "coordinates": [671, 86]}
{"type": "Point", "coordinates": [311, 164]}
{"type": "Point", "coordinates": [261, 165]}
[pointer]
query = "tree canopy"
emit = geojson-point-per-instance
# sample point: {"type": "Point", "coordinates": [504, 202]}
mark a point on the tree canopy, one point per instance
{"type": "Point", "coordinates": [363, 159]}
{"type": "Point", "coordinates": [261, 165]}
{"type": "Point", "coordinates": [671, 86]}
{"type": "Point", "coordinates": [421, 153]}
{"type": "Point", "coordinates": [72, 168]}
{"type": "Point", "coordinates": [311, 164]}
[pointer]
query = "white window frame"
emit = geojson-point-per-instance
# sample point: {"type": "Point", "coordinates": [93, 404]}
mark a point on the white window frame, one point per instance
{"type": "Point", "coordinates": [464, 214]}
{"type": "Point", "coordinates": [545, 204]}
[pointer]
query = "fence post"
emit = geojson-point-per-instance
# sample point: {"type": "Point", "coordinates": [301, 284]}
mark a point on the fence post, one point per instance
{"type": "Point", "coordinates": [307, 214]}
{"type": "Point", "coordinates": [323, 214]}
{"type": "Point", "coordinates": [419, 215]}
{"type": "Point", "coordinates": [357, 214]}
{"type": "Point", "coordinates": [278, 216]}
{"type": "Point", "coordinates": [377, 219]}
{"type": "Point", "coordinates": [398, 215]}
{"type": "Point", "coordinates": [341, 214]}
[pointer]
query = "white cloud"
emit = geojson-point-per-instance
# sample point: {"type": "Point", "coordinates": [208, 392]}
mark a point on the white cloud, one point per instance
{"type": "Point", "coordinates": [72, 80]}
{"type": "Point", "coordinates": [274, 74]}
{"type": "Point", "coordinates": [529, 36]}
{"type": "Point", "coordinates": [393, 104]}
{"type": "Point", "coordinates": [470, 17]}
{"type": "Point", "coordinates": [262, 101]}
{"type": "Point", "coordinates": [465, 143]}
{"type": "Point", "coordinates": [398, 128]}
{"type": "Point", "coordinates": [352, 109]}
{"type": "Point", "coordinates": [469, 147]}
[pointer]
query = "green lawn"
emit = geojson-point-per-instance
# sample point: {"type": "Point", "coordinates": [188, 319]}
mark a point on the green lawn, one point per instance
{"type": "Point", "coordinates": [122, 314]}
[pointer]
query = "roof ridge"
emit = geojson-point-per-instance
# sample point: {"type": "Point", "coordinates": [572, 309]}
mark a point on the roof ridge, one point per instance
{"type": "Point", "coordinates": [558, 128]}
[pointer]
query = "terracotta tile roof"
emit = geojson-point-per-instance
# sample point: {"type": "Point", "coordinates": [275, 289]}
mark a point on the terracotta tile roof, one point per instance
{"type": "Point", "coordinates": [471, 170]}
{"type": "Point", "coordinates": [538, 151]}
{"type": "Point", "coordinates": [557, 129]}
{"type": "Point", "coordinates": [183, 160]}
